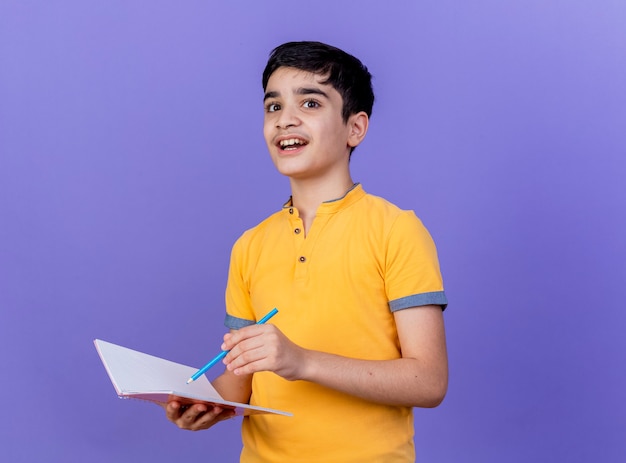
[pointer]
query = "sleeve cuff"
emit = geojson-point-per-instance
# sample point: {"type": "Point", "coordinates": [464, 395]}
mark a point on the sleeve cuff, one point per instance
{"type": "Point", "coordinates": [416, 300]}
{"type": "Point", "coordinates": [235, 323]}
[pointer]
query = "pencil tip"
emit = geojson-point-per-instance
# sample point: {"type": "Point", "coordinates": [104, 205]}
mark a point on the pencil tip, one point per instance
{"type": "Point", "coordinates": [189, 380]}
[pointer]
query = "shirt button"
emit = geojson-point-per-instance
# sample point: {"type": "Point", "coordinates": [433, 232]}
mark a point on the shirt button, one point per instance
{"type": "Point", "coordinates": [302, 259]}
{"type": "Point", "coordinates": [296, 231]}
{"type": "Point", "coordinates": [291, 210]}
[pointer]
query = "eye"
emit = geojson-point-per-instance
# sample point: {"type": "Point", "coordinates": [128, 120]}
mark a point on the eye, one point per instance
{"type": "Point", "coordinates": [311, 104]}
{"type": "Point", "coordinates": [272, 107]}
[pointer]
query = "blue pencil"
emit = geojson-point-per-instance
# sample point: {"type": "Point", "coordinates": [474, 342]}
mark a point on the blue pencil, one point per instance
{"type": "Point", "coordinates": [222, 354]}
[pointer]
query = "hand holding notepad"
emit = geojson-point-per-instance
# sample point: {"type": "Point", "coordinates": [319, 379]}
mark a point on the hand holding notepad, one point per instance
{"type": "Point", "coordinates": [142, 376]}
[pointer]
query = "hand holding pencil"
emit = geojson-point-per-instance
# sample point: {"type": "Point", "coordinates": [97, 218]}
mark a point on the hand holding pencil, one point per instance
{"type": "Point", "coordinates": [223, 353]}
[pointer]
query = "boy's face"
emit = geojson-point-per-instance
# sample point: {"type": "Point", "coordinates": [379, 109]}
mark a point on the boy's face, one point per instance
{"type": "Point", "coordinates": [303, 127]}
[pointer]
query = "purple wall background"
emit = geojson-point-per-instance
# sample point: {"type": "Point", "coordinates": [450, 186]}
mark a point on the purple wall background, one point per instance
{"type": "Point", "coordinates": [132, 157]}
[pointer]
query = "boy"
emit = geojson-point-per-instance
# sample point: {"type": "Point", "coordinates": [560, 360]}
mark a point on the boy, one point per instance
{"type": "Point", "coordinates": [359, 337]}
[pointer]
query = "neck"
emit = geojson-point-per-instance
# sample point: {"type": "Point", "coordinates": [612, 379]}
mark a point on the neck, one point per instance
{"type": "Point", "coordinates": [307, 195]}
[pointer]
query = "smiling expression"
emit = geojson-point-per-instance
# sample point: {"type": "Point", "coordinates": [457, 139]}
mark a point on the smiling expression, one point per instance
{"type": "Point", "coordinates": [303, 127]}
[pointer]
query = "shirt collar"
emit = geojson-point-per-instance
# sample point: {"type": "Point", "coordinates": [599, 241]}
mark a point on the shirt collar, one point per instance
{"type": "Point", "coordinates": [354, 193]}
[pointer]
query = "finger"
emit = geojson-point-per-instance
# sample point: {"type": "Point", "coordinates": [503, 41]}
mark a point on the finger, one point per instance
{"type": "Point", "coordinates": [208, 418]}
{"type": "Point", "coordinates": [251, 362]}
{"type": "Point", "coordinates": [172, 410]}
{"type": "Point", "coordinates": [187, 416]}
{"type": "Point", "coordinates": [235, 337]}
{"type": "Point", "coordinates": [227, 414]}
{"type": "Point", "coordinates": [214, 415]}
{"type": "Point", "coordinates": [244, 355]}
{"type": "Point", "coordinates": [242, 347]}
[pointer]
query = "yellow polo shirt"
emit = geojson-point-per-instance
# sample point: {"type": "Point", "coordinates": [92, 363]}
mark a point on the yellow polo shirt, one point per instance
{"type": "Point", "coordinates": [336, 290]}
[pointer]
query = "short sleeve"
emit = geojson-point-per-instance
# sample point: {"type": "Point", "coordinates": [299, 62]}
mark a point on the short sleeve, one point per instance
{"type": "Point", "coordinates": [412, 273]}
{"type": "Point", "coordinates": [239, 311]}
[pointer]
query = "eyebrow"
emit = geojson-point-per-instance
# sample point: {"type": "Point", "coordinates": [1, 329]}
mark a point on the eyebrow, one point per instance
{"type": "Point", "coordinates": [299, 91]}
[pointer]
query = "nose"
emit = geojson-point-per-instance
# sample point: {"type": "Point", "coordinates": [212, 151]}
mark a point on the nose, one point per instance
{"type": "Point", "coordinates": [287, 117]}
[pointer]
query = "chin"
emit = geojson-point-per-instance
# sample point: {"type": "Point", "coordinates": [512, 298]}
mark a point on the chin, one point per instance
{"type": "Point", "coordinates": [289, 167]}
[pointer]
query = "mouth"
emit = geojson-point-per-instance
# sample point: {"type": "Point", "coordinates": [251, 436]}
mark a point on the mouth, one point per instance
{"type": "Point", "coordinates": [291, 144]}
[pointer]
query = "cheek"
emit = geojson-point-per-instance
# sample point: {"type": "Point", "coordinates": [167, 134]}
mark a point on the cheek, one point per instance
{"type": "Point", "coordinates": [333, 135]}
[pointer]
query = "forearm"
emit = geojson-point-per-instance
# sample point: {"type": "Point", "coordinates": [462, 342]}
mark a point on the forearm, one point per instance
{"type": "Point", "coordinates": [235, 388]}
{"type": "Point", "coordinates": [404, 381]}
{"type": "Point", "coordinates": [418, 379]}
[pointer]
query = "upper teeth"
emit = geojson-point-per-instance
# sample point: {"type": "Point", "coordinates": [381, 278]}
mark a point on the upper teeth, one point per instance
{"type": "Point", "coordinates": [290, 142]}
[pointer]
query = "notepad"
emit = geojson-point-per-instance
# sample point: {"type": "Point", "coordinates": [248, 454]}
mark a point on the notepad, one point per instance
{"type": "Point", "coordinates": [141, 376]}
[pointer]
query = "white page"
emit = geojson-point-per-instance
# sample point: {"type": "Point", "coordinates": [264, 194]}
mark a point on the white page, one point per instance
{"type": "Point", "coordinates": [135, 372]}
{"type": "Point", "coordinates": [144, 376]}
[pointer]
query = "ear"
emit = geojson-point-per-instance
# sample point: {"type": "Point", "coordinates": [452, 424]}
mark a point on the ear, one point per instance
{"type": "Point", "coordinates": [357, 126]}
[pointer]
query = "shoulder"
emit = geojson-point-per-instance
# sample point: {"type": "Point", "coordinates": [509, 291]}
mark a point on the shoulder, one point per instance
{"type": "Point", "coordinates": [381, 205]}
{"type": "Point", "coordinates": [260, 231]}
{"type": "Point", "coordinates": [382, 211]}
